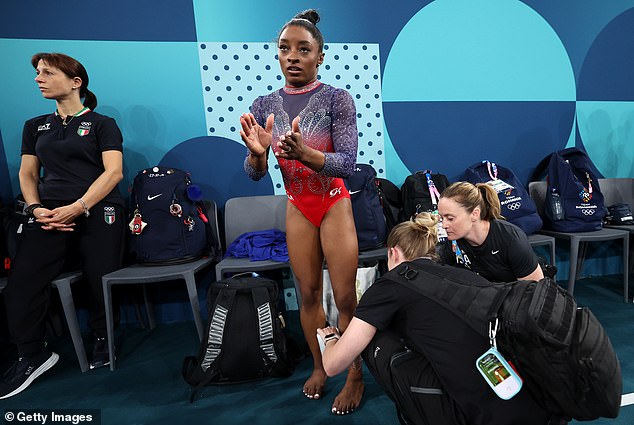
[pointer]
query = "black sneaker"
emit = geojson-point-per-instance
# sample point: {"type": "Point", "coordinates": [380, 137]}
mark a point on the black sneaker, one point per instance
{"type": "Point", "coordinates": [24, 371]}
{"type": "Point", "coordinates": [100, 356]}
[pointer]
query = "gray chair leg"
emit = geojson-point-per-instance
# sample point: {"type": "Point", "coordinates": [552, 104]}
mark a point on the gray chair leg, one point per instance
{"type": "Point", "coordinates": [574, 255]}
{"type": "Point", "coordinates": [107, 299]}
{"type": "Point", "coordinates": [149, 309]}
{"type": "Point", "coordinates": [298, 291]}
{"type": "Point", "coordinates": [553, 261]}
{"type": "Point", "coordinates": [583, 250]}
{"type": "Point", "coordinates": [190, 281]}
{"type": "Point", "coordinates": [626, 256]}
{"type": "Point", "coordinates": [66, 296]}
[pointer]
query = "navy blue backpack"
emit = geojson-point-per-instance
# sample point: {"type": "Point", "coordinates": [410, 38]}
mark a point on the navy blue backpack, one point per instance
{"type": "Point", "coordinates": [574, 202]}
{"type": "Point", "coordinates": [369, 220]}
{"type": "Point", "coordinates": [167, 226]}
{"type": "Point", "coordinates": [390, 197]}
{"type": "Point", "coordinates": [517, 206]}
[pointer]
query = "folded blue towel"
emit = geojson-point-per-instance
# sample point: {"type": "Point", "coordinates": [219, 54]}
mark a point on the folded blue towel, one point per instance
{"type": "Point", "coordinates": [261, 245]}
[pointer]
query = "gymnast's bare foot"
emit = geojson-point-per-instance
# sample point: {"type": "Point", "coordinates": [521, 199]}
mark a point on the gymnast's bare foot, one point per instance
{"type": "Point", "coordinates": [314, 385]}
{"type": "Point", "coordinates": [350, 396]}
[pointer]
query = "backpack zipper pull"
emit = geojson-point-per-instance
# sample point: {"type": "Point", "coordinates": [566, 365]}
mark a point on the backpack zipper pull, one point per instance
{"type": "Point", "coordinates": [282, 321]}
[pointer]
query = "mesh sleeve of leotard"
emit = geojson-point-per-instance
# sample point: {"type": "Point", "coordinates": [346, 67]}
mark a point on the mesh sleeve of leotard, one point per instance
{"type": "Point", "coordinates": [340, 163]}
{"type": "Point", "coordinates": [257, 111]}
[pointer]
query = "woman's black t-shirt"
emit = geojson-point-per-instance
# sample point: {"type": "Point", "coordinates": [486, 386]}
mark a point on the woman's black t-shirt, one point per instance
{"type": "Point", "coordinates": [504, 256]}
{"type": "Point", "coordinates": [70, 155]}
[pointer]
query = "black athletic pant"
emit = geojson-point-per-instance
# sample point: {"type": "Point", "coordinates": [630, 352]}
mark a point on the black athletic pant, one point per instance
{"type": "Point", "coordinates": [41, 255]}
{"type": "Point", "coordinates": [409, 380]}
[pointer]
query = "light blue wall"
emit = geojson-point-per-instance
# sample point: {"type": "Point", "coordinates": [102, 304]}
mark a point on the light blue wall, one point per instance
{"type": "Point", "coordinates": [457, 81]}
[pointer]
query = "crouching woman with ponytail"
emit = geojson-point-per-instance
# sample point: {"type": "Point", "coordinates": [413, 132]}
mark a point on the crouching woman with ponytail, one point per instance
{"type": "Point", "coordinates": [421, 353]}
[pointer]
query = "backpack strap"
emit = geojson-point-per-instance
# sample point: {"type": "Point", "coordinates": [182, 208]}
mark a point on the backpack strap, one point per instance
{"type": "Point", "coordinates": [217, 324]}
{"type": "Point", "coordinates": [278, 362]}
{"type": "Point", "coordinates": [261, 302]}
{"type": "Point", "coordinates": [469, 296]}
{"type": "Point", "coordinates": [492, 169]}
{"type": "Point", "coordinates": [213, 244]}
{"type": "Point", "coordinates": [540, 170]}
{"type": "Point", "coordinates": [199, 372]}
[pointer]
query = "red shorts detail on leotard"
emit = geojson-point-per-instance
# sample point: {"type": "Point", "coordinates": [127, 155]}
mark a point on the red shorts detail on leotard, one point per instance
{"type": "Point", "coordinates": [314, 206]}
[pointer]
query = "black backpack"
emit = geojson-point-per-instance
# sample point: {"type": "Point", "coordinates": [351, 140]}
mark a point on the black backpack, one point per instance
{"type": "Point", "coordinates": [403, 374]}
{"type": "Point", "coordinates": [516, 204]}
{"type": "Point", "coordinates": [417, 190]}
{"type": "Point", "coordinates": [369, 220]}
{"type": "Point", "coordinates": [619, 215]}
{"type": "Point", "coordinates": [390, 197]}
{"type": "Point", "coordinates": [574, 202]}
{"type": "Point", "coordinates": [245, 337]}
{"type": "Point", "coordinates": [169, 223]}
{"type": "Point", "coordinates": [12, 221]}
{"type": "Point", "coordinates": [561, 351]}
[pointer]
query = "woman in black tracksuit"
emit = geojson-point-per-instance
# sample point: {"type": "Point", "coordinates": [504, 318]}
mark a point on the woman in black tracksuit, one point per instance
{"type": "Point", "coordinates": [71, 165]}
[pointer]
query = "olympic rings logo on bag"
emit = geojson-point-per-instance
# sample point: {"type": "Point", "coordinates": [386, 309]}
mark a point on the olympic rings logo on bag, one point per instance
{"type": "Point", "coordinates": [587, 211]}
{"type": "Point", "coordinates": [514, 206]}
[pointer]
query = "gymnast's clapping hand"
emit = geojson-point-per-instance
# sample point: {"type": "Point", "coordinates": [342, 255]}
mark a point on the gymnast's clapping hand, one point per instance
{"type": "Point", "coordinates": [256, 138]}
{"type": "Point", "coordinates": [291, 144]}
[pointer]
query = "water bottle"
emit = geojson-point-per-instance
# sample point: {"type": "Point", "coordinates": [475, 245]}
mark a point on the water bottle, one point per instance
{"type": "Point", "coordinates": [558, 211]}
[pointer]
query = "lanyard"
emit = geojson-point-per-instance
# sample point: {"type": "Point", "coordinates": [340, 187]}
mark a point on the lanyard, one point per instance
{"type": "Point", "coordinates": [460, 257]}
{"type": "Point", "coordinates": [493, 170]}
{"type": "Point", "coordinates": [433, 190]}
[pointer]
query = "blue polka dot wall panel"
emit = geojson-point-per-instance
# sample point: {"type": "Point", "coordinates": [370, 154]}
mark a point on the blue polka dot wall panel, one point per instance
{"type": "Point", "coordinates": [234, 74]}
{"type": "Point", "coordinates": [466, 81]}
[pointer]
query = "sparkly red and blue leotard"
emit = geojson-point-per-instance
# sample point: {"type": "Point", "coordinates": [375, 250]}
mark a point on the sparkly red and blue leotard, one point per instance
{"type": "Point", "coordinates": [327, 123]}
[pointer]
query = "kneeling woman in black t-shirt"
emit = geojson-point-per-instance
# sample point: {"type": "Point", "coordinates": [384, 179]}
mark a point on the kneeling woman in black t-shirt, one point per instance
{"type": "Point", "coordinates": [447, 346]}
{"type": "Point", "coordinates": [71, 165]}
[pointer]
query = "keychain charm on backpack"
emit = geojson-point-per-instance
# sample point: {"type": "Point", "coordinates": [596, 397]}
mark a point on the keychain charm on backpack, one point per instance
{"type": "Point", "coordinates": [137, 224]}
{"type": "Point", "coordinates": [190, 223]}
{"type": "Point", "coordinates": [176, 210]}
